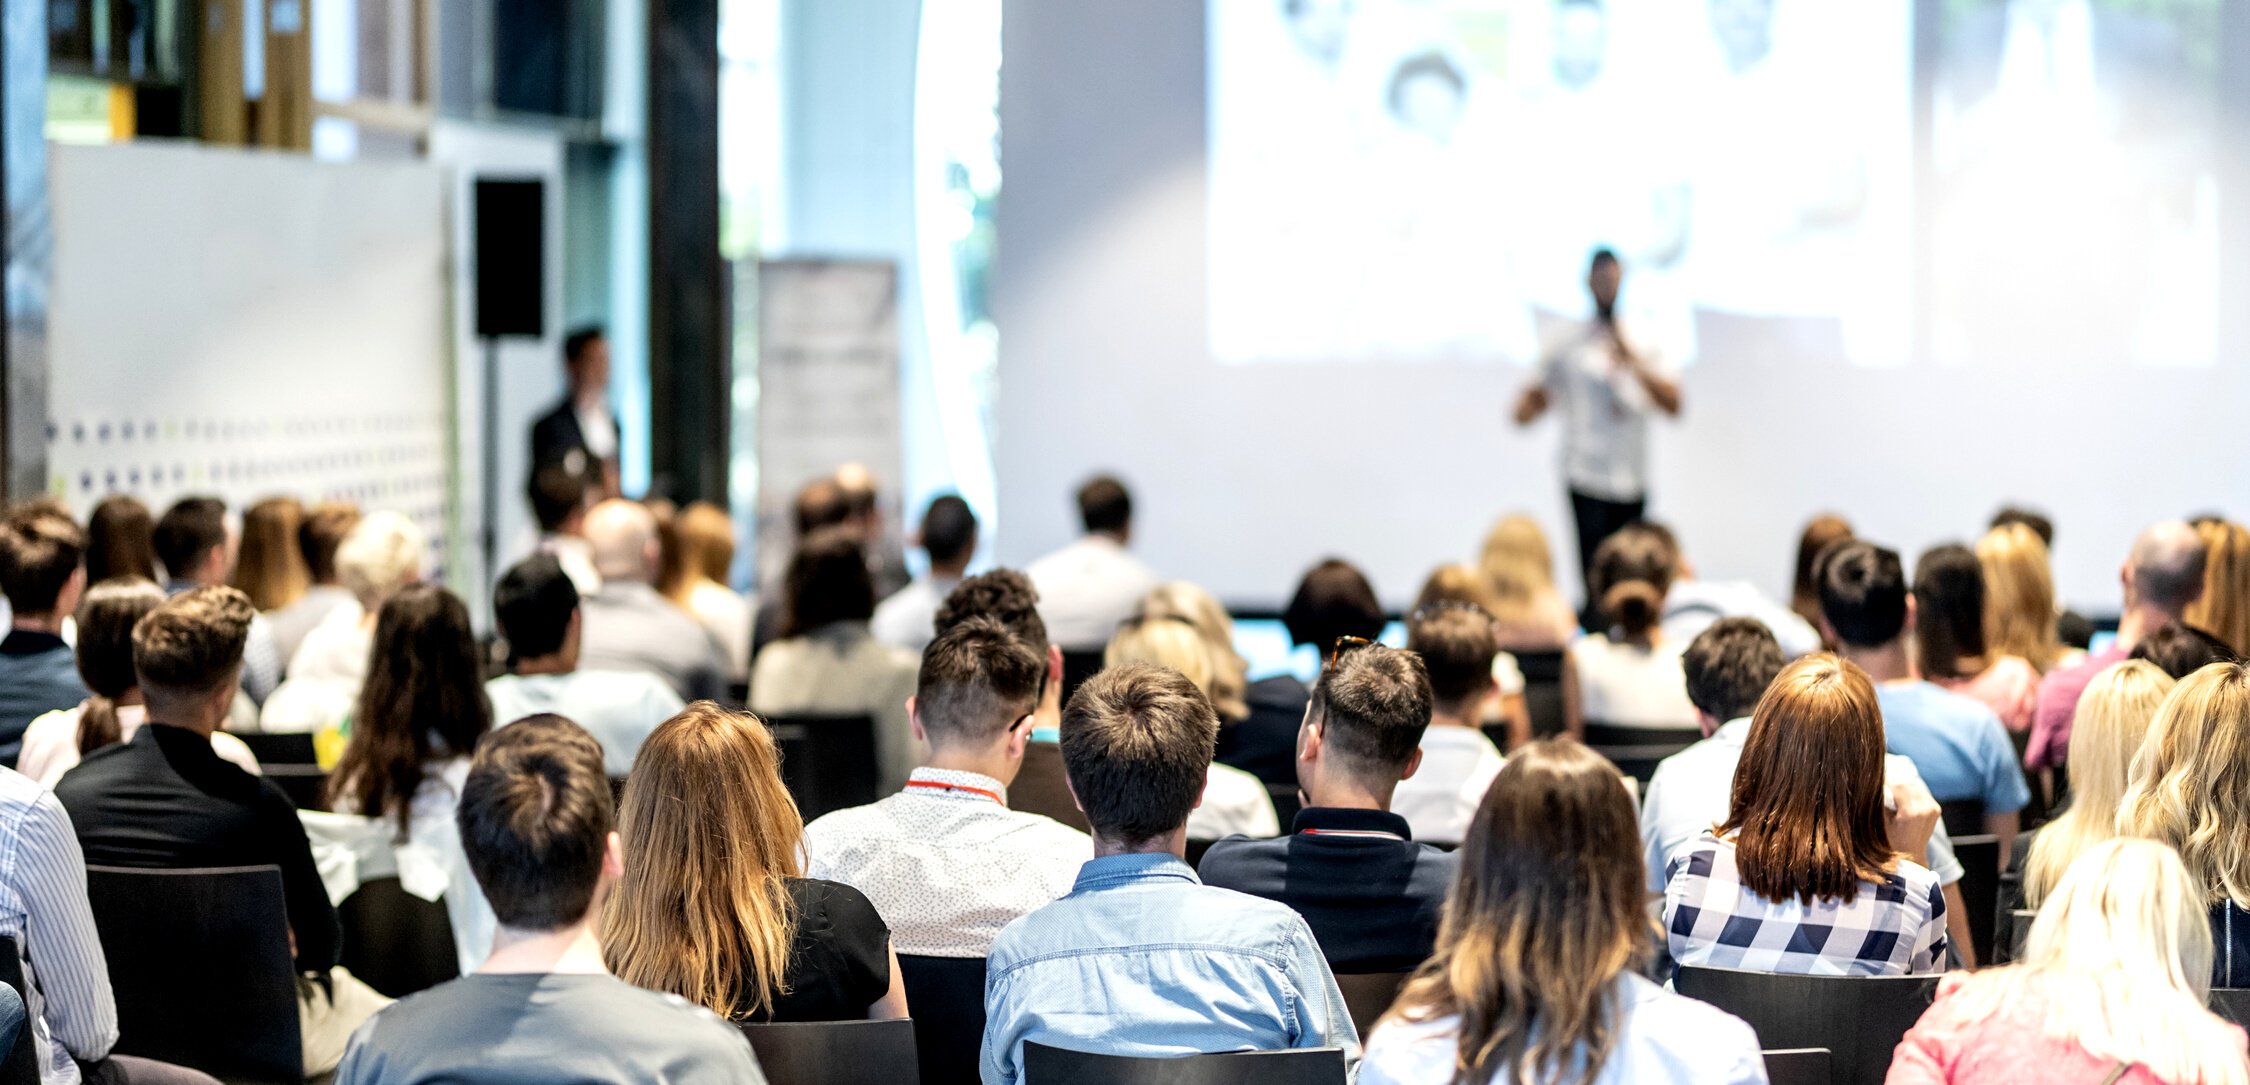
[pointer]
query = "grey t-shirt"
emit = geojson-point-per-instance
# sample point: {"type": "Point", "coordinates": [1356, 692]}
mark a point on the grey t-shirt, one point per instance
{"type": "Point", "coordinates": [549, 1029]}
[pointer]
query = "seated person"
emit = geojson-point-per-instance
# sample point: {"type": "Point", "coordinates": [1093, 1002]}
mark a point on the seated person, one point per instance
{"type": "Point", "coordinates": [535, 822]}
{"type": "Point", "coordinates": [1141, 958]}
{"type": "Point", "coordinates": [1629, 676]}
{"type": "Point", "coordinates": [827, 663]}
{"type": "Point", "coordinates": [1352, 868]}
{"type": "Point", "coordinates": [42, 572]}
{"type": "Point", "coordinates": [1458, 762]}
{"type": "Point", "coordinates": [629, 626]}
{"type": "Point", "coordinates": [1334, 600]}
{"type": "Point", "coordinates": [536, 606]}
{"type": "Point", "coordinates": [2185, 791]}
{"type": "Point", "coordinates": [712, 907]}
{"type": "Point", "coordinates": [949, 537]}
{"type": "Point", "coordinates": [1807, 874]}
{"type": "Point", "coordinates": [197, 547]}
{"type": "Point", "coordinates": [380, 556]}
{"type": "Point", "coordinates": [945, 861]}
{"type": "Point", "coordinates": [1089, 586]}
{"type": "Point", "coordinates": [1006, 596]}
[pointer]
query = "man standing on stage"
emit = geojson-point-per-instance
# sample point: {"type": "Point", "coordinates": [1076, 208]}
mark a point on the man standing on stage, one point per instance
{"type": "Point", "coordinates": [1607, 385]}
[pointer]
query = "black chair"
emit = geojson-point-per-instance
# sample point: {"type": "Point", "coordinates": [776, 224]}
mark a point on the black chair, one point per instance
{"type": "Point", "coordinates": [946, 995]}
{"type": "Point", "coordinates": [827, 762]}
{"type": "Point", "coordinates": [1368, 996]}
{"type": "Point", "coordinates": [1859, 1019]}
{"type": "Point", "coordinates": [21, 1064]}
{"type": "Point", "coordinates": [1194, 852]}
{"type": "Point", "coordinates": [397, 942]}
{"type": "Point", "coordinates": [1543, 696]}
{"type": "Point", "coordinates": [289, 761]}
{"type": "Point", "coordinates": [836, 1052]}
{"type": "Point", "coordinates": [2232, 1003]}
{"type": "Point", "coordinates": [1286, 802]}
{"type": "Point", "coordinates": [1800, 1066]}
{"type": "Point", "coordinates": [1079, 666]}
{"type": "Point", "coordinates": [1963, 817]}
{"type": "Point", "coordinates": [2019, 934]}
{"type": "Point", "coordinates": [1043, 1065]}
{"type": "Point", "coordinates": [1636, 751]}
{"type": "Point", "coordinates": [199, 960]}
{"type": "Point", "coordinates": [1980, 889]}
{"type": "Point", "coordinates": [1040, 787]}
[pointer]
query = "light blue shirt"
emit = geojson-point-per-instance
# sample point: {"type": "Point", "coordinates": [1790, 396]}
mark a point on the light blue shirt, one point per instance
{"type": "Point", "coordinates": [1957, 743]}
{"type": "Point", "coordinates": [1144, 959]}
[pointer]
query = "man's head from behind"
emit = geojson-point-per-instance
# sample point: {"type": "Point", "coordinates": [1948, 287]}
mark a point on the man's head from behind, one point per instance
{"type": "Point", "coordinates": [2165, 570]}
{"type": "Point", "coordinates": [535, 818]}
{"type": "Point", "coordinates": [191, 540]}
{"type": "Point", "coordinates": [322, 532]}
{"type": "Point", "coordinates": [1006, 596]}
{"type": "Point", "coordinates": [42, 561]}
{"type": "Point", "coordinates": [1105, 507]}
{"type": "Point", "coordinates": [1863, 594]}
{"type": "Point", "coordinates": [1728, 667]}
{"type": "Point", "coordinates": [949, 534]}
{"type": "Point", "coordinates": [535, 605]}
{"type": "Point", "coordinates": [1456, 646]}
{"type": "Point", "coordinates": [558, 499]}
{"type": "Point", "coordinates": [1366, 719]}
{"type": "Point", "coordinates": [187, 654]}
{"type": "Point", "coordinates": [1137, 742]}
{"type": "Point", "coordinates": [978, 684]}
{"type": "Point", "coordinates": [622, 535]}
{"type": "Point", "coordinates": [821, 503]}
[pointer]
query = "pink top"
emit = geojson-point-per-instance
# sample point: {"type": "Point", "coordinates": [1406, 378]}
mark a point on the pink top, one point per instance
{"type": "Point", "coordinates": [1950, 1047]}
{"type": "Point", "coordinates": [2058, 705]}
{"type": "Point", "coordinates": [2009, 687]}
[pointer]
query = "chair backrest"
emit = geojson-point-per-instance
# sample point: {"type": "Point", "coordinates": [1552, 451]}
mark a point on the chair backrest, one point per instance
{"type": "Point", "coordinates": [1368, 995]}
{"type": "Point", "coordinates": [2010, 948]}
{"type": "Point", "coordinates": [199, 960]}
{"type": "Point", "coordinates": [397, 942]}
{"type": "Point", "coordinates": [1195, 850]}
{"type": "Point", "coordinates": [836, 1052]}
{"type": "Point", "coordinates": [827, 762]}
{"type": "Point", "coordinates": [2232, 1003]}
{"type": "Point", "coordinates": [289, 761]}
{"type": "Point", "coordinates": [1040, 787]}
{"type": "Point", "coordinates": [1078, 666]}
{"type": "Point", "coordinates": [1980, 889]}
{"type": "Point", "coordinates": [280, 749]}
{"type": "Point", "coordinates": [947, 997]}
{"type": "Point", "coordinates": [1043, 1065]}
{"type": "Point", "coordinates": [1860, 1019]}
{"type": "Point", "coordinates": [1543, 696]}
{"type": "Point", "coordinates": [1287, 800]}
{"type": "Point", "coordinates": [1800, 1066]}
{"type": "Point", "coordinates": [21, 1064]}
{"type": "Point", "coordinates": [1636, 751]}
{"type": "Point", "coordinates": [1963, 817]}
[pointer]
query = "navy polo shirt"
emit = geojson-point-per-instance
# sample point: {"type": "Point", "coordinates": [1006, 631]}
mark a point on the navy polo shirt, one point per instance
{"type": "Point", "coordinates": [1371, 894]}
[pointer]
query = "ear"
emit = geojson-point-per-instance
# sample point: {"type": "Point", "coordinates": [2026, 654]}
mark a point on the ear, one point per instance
{"type": "Point", "coordinates": [1909, 613]}
{"type": "Point", "coordinates": [1706, 721]}
{"type": "Point", "coordinates": [914, 723]}
{"type": "Point", "coordinates": [1201, 791]}
{"type": "Point", "coordinates": [1308, 741]}
{"type": "Point", "coordinates": [1073, 789]}
{"type": "Point", "coordinates": [1412, 764]}
{"type": "Point", "coordinates": [1054, 667]}
{"type": "Point", "coordinates": [1019, 739]}
{"type": "Point", "coordinates": [613, 857]}
{"type": "Point", "coordinates": [1828, 632]}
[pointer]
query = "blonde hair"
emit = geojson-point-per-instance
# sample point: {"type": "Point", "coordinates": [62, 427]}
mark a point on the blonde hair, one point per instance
{"type": "Point", "coordinates": [268, 567]}
{"type": "Point", "coordinates": [381, 554]}
{"type": "Point", "coordinates": [2224, 608]}
{"type": "Point", "coordinates": [703, 910]}
{"type": "Point", "coordinates": [2120, 958]}
{"type": "Point", "coordinates": [703, 539]}
{"type": "Point", "coordinates": [2113, 717]}
{"type": "Point", "coordinates": [2019, 596]}
{"type": "Point", "coordinates": [1165, 642]}
{"type": "Point", "coordinates": [1230, 673]}
{"type": "Point", "coordinates": [2187, 785]}
{"type": "Point", "coordinates": [1520, 567]}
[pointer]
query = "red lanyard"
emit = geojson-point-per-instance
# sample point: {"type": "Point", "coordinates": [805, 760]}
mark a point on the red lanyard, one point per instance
{"type": "Point", "coordinates": [938, 785]}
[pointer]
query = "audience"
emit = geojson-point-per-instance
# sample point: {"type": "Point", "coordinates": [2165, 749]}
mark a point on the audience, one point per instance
{"type": "Point", "coordinates": [2111, 988]}
{"type": "Point", "coordinates": [2113, 718]}
{"type": "Point", "coordinates": [1140, 958]}
{"type": "Point", "coordinates": [2186, 790]}
{"type": "Point", "coordinates": [1350, 866]}
{"type": "Point", "coordinates": [2020, 618]}
{"type": "Point", "coordinates": [319, 535]}
{"type": "Point", "coordinates": [1822, 532]}
{"type": "Point", "coordinates": [197, 548]}
{"type": "Point", "coordinates": [1537, 973]}
{"type": "Point", "coordinates": [1807, 873]}
{"type": "Point", "coordinates": [945, 860]}
{"type": "Point", "coordinates": [2224, 606]}
{"type": "Point", "coordinates": [120, 540]}
{"type": "Point", "coordinates": [560, 499]}
{"type": "Point", "coordinates": [112, 712]}
{"type": "Point", "coordinates": [949, 538]}
{"type": "Point", "coordinates": [828, 663]}
{"type": "Point", "coordinates": [706, 559]}
{"type": "Point", "coordinates": [1333, 601]}
{"type": "Point", "coordinates": [628, 626]}
{"type": "Point", "coordinates": [1234, 802]}
{"type": "Point", "coordinates": [535, 822]}
{"type": "Point", "coordinates": [42, 574]}
{"type": "Point", "coordinates": [2162, 577]}
{"type": "Point", "coordinates": [1950, 648]}
{"type": "Point", "coordinates": [2181, 650]}
{"type": "Point", "coordinates": [1089, 586]}
{"type": "Point", "coordinates": [381, 556]}
{"type": "Point", "coordinates": [1440, 798]}
{"type": "Point", "coordinates": [267, 565]}
{"type": "Point", "coordinates": [1531, 614]}
{"type": "Point", "coordinates": [712, 907]}
{"type": "Point", "coordinates": [536, 606]}
{"type": "Point", "coordinates": [1958, 745]}
{"type": "Point", "coordinates": [1630, 675]}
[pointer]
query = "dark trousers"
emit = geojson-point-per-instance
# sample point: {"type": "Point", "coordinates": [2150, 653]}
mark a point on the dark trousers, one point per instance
{"type": "Point", "coordinates": [1598, 519]}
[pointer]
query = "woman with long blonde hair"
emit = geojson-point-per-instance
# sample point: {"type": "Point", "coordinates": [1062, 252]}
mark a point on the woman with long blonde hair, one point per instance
{"type": "Point", "coordinates": [2019, 596]}
{"type": "Point", "coordinates": [2223, 610]}
{"type": "Point", "coordinates": [2187, 790]}
{"type": "Point", "coordinates": [2112, 718]}
{"type": "Point", "coordinates": [1230, 673]}
{"type": "Point", "coordinates": [703, 541]}
{"type": "Point", "coordinates": [1536, 974]}
{"type": "Point", "coordinates": [712, 906]}
{"type": "Point", "coordinates": [1519, 565]}
{"type": "Point", "coordinates": [2113, 980]}
{"type": "Point", "coordinates": [1234, 801]}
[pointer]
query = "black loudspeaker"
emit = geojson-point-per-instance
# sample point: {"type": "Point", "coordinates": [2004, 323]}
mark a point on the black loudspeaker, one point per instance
{"type": "Point", "coordinates": [511, 218]}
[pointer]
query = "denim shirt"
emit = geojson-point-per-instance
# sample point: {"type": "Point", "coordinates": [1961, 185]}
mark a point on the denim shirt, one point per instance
{"type": "Point", "coordinates": [1144, 959]}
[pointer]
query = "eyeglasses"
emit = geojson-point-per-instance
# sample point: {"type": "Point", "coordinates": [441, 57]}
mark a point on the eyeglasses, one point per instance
{"type": "Point", "coordinates": [1344, 646]}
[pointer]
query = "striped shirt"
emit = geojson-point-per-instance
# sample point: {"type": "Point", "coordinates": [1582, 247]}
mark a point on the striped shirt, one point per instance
{"type": "Point", "coordinates": [1891, 927]}
{"type": "Point", "coordinates": [43, 875]}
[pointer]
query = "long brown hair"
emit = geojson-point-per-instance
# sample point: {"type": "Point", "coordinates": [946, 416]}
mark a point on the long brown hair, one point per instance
{"type": "Point", "coordinates": [1948, 612]}
{"type": "Point", "coordinates": [1822, 532]}
{"type": "Point", "coordinates": [269, 568]}
{"type": "Point", "coordinates": [120, 540]}
{"type": "Point", "coordinates": [711, 836]}
{"type": "Point", "coordinates": [1546, 912]}
{"type": "Point", "coordinates": [1807, 811]}
{"type": "Point", "coordinates": [2019, 596]}
{"type": "Point", "coordinates": [105, 653]}
{"type": "Point", "coordinates": [2223, 610]}
{"type": "Point", "coordinates": [423, 700]}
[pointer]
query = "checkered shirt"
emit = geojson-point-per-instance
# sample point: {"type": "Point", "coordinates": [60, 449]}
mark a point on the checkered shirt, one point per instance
{"type": "Point", "coordinates": [1895, 926]}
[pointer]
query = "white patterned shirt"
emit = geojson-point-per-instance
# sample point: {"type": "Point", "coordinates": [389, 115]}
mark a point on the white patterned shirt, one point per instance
{"type": "Point", "coordinates": [945, 862]}
{"type": "Point", "coordinates": [1891, 927]}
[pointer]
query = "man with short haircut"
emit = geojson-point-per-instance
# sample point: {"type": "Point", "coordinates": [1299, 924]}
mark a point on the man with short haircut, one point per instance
{"type": "Point", "coordinates": [537, 609]}
{"type": "Point", "coordinates": [1089, 586]}
{"type": "Point", "coordinates": [2162, 577]}
{"type": "Point", "coordinates": [318, 538]}
{"type": "Point", "coordinates": [1141, 958]}
{"type": "Point", "coordinates": [1957, 744]}
{"type": "Point", "coordinates": [628, 625]}
{"type": "Point", "coordinates": [559, 500]}
{"type": "Point", "coordinates": [195, 544]}
{"type": "Point", "coordinates": [42, 572]}
{"type": "Point", "coordinates": [949, 537]}
{"type": "Point", "coordinates": [581, 434]}
{"type": "Point", "coordinates": [536, 822]}
{"type": "Point", "coordinates": [946, 861]}
{"type": "Point", "coordinates": [1351, 867]}
{"type": "Point", "coordinates": [1006, 596]}
{"type": "Point", "coordinates": [1457, 647]}
{"type": "Point", "coordinates": [1728, 667]}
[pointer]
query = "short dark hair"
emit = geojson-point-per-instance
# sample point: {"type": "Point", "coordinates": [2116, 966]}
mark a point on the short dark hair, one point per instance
{"type": "Point", "coordinates": [1604, 254]}
{"type": "Point", "coordinates": [39, 550]}
{"type": "Point", "coordinates": [1863, 593]}
{"type": "Point", "coordinates": [1137, 742]}
{"type": "Point", "coordinates": [1004, 595]}
{"type": "Point", "coordinates": [535, 816]}
{"type": "Point", "coordinates": [192, 644]}
{"type": "Point", "coordinates": [977, 680]}
{"type": "Point", "coordinates": [1333, 600]}
{"type": "Point", "coordinates": [556, 492]}
{"type": "Point", "coordinates": [1104, 505]}
{"type": "Point", "coordinates": [820, 503]}
{"type": "Point", "coordinates": [532, 604]}
{"type": "Point", "coordinates": [581, 337]}
{"type": "Point", "coordinates": [827, 582]}
{"type": "Point", "coordinates": [2037, 521]}
{"type": "Point", "coordinates": [1457, 645]}
{"type": "Point", "coordinates": [187, 532]}
{"type": "Point", "coordinates": [2180, 649]}
{"type": "Point", "coordinates": [321, 532]}
{"type": "Point", "coordinates": [1373, 705]}
{"type": "Point", "coordinates": [949, 529]}
{"type": "Point", "coordinates": [1729, 665]}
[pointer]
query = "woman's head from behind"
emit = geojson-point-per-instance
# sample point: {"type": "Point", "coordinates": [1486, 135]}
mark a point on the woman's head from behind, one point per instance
{"type": "Point", "coordinates": [2190, 785]}
{"type": "Point", "coordinates": [1230, 675]}
{"type": "Point", "coordinates": [706, 540]}
{"type": "Point", "coordinates": [120, 540]}
{"type": "Point", "coordinates": [827, 583]}
{"type": "Point", "coordinates": [423, 700]}
{"type": "Point", "coordinates": [380, 555]}
{"type": "Point", "coordinates": [1948, 610]}
{"type": "Point", "coordinates": [268, 567]}
{"type": "Point", "coordinates": [1820, 533]}
{"type": "Point", "coordinates": [2019, 595]}
{"type": "Point", "coordinates": [1165, 642]}
{"type": "Point", "coordinates": [1458, 584]}
{"type": "Point", "coordinates": [2224, 606]}
{"type": "Point", "coordinates": [1807, 809]}
{"type": "Point", "coordinates": [2112, 719]}
{"type": "Point", "coordinates": [1546, 912]}
{"type": "Point", "coordinates": [1333, 600]}
{"type": "Point", "coordinates": [710, 835]}
{"type": "Point", "coordinates": [106, 614]}
{"type": "Point", "coordinates": [1516, 560]}
{"type": "Point", "coordinates": [1632, 571]}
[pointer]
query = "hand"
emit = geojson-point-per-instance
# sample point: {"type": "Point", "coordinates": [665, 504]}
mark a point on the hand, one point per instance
{"type": "Point", "coordinates": [1910, 817]}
